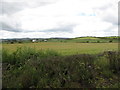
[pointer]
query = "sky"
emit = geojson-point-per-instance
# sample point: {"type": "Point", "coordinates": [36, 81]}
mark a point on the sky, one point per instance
{"type": "Point", "coordinates": [58, 18]}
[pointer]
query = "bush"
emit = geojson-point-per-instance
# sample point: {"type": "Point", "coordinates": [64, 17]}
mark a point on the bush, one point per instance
{"type": "Point", "coordinates": [98, 41]}
{"type": "Point", "coordinates": [110, 41]}
{"type": "Point", "coordinates": [114, 60]}
{"type": "Point", "coordinates": [87, 41]}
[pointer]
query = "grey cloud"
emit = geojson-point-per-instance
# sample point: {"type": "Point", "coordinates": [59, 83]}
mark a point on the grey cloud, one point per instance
{"type": "Point", "coordinates": [13, 7]}
{"type": "Point", "coordinates": [108, 17]}
{"type": "Point", "coordinates": [105, 7]}
{"type": "Point", "coordinates": [109, 30]}
{"type": "Point", "coordinates": [111, 19]}
{"type": "Point", "coordinates": [61, 28]}
{"type": "Point", "coordinates": [67, 28]}
{"type": "Point", "coordinates": [6, 27]}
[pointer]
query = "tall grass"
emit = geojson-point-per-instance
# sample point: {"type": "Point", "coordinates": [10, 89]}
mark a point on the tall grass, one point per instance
{"type": "Point", "coordinates": [30, 68]}
{"type": "Point", "coordinates": [26, 53]}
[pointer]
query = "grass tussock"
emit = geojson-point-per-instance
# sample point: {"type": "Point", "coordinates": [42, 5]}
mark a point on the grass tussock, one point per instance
{"type": "Point", "coordinates": [30, 68]}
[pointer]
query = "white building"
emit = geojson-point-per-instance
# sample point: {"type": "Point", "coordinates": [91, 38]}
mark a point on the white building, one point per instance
{"type": "Point", "coordinates": [45, 40]}
{"type": "Point", "coordinates": [33, 40]}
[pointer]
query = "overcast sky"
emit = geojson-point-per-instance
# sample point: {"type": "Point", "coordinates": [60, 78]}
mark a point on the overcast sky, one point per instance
{"type": "Point", "coordinates": [58, 18]}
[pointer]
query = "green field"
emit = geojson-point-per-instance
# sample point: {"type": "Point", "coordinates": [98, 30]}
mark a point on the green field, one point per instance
{"type": "Point", "coordinates": [87, 40]}
{"type": "Point", "coordinates": [56, 64]}
{"type": "Point", "coordinates": [68, 48]}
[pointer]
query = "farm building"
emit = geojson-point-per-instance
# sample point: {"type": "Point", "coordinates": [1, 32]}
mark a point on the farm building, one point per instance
{"type": "Point", "coordinates": [45, 40]}
{"type": "Point", "coordinates": [33, 40]}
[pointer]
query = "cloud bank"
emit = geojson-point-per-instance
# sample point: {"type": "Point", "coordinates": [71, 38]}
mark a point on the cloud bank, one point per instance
{"type": "Point", "coordinates": [58, 18]}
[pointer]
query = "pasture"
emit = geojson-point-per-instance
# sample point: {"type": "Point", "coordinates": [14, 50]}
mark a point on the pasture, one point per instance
{"type": "Point", "coordinates": [68, 48]}
{"type": "Point", "coordinates": [60, 65]}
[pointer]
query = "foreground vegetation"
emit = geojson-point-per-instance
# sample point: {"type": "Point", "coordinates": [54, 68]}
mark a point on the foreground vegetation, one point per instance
{"type": "Point", "coordinates": [31, 68]}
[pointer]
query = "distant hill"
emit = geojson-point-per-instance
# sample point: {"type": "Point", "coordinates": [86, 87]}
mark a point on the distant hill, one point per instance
{"type": "Point", "coordinates": [87, 39]}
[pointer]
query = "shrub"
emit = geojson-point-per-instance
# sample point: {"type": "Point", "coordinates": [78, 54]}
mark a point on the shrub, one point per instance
{"type": "Point", "coordinates": [87, 41]}
{"type": "Point", "coordinates": [98, 41]}
{"type": "Point", "coordinates": [110, 41]}
{"type": "Point", "coordinates": [12, 42]}
{"type": "Point", "coordinates": [114, 60]}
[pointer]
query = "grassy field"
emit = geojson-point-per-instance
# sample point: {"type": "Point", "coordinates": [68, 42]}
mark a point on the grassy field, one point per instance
{"type": "Point", "coordinates": [68, 48]}
{"type": "Point", "coordinates": [30, 68]}
{"type": "Point", "coordinates": [87, 40]}
{"type": "Point", "coordinates": [60, 65]}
